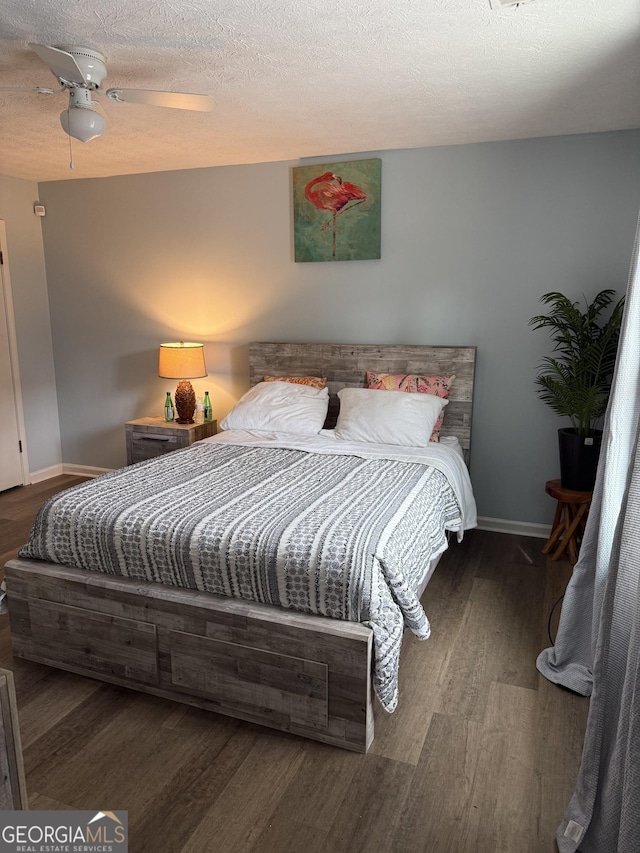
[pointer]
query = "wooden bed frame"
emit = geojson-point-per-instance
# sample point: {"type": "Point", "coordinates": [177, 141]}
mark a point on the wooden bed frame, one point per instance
{"type": "Point", "coordinates": [305, 674]}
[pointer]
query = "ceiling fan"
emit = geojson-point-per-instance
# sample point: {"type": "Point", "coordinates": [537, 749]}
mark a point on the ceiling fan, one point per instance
{"type": "Point", "coordinates": [80, 71]}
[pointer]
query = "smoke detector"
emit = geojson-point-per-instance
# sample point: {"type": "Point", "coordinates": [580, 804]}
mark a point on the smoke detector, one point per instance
{"type": "Point", "coordinates": [498, 4]}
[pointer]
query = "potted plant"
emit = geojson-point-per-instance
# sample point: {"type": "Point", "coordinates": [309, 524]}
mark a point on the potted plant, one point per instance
{"type": "Point", "coordinates": [576, 381]}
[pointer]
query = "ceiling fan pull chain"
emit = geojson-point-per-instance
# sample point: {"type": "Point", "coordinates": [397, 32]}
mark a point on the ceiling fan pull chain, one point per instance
{"type": "Point", "coordinates": [70, 148]}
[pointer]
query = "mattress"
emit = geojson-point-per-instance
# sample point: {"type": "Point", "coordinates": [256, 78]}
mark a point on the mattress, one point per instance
{"type": "Point", "coordinates": [309, 523]}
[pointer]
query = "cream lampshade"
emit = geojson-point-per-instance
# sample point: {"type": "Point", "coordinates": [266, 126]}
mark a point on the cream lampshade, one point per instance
{"type": "Point", "coordinates": [183, 361]}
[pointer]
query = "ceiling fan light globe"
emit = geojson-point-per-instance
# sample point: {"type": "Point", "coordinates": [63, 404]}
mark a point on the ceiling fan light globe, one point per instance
{"type": "Point", "coordinates": [82, 123]}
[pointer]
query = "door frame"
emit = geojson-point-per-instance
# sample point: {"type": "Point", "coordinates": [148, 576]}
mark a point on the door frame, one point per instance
{"type": "Point", "coordinates": [13, 353]}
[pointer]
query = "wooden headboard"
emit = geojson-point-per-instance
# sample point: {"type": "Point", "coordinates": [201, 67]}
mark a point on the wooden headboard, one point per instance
{"type": "Point", "coordinates": [346, 365]}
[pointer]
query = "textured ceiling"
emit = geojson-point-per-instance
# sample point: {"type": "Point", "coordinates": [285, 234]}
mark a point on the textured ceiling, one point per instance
{"type": "Point", "coordinates": [302, 78]}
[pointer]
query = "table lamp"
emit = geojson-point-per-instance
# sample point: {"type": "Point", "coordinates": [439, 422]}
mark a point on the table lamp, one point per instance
{"type": "Point", "coordinates": [183, 361]}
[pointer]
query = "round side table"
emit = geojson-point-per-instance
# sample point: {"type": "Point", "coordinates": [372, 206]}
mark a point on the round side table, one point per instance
{"type": "Point", "coordinates": [569, 522]}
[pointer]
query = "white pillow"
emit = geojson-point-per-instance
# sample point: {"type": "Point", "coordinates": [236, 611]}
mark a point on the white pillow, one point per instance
{"type": "Point", "coordinates": [280, 407]}
{"type": "Point", "coordinates": [387, 417]}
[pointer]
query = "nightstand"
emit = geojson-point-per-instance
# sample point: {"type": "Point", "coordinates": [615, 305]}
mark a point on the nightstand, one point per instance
{"type": "Point", "coordinates": [150, 437]}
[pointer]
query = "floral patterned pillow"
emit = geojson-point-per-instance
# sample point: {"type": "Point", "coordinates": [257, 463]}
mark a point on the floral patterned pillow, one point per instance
{"type": "Point", "coordinates": [414, 383]}
{"type": "Point", "coordinates": [311, 381]}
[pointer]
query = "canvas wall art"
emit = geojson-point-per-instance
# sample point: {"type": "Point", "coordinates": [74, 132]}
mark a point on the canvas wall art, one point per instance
{"type": "Point", "coordinates": [336, 211]}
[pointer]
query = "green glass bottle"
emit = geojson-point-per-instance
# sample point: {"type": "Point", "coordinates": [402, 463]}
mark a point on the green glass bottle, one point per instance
{"type": "Point", "coordinates": [168, 408]}
{"type": "Point", "coordinates": [208, 413]}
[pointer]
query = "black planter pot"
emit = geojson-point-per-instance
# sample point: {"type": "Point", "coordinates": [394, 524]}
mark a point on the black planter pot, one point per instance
{"type": "Point", "coordinates": [578, 459]}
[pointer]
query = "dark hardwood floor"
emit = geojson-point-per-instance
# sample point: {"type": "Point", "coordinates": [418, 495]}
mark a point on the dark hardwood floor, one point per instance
{"type": "Point", "coordinates": [480, 757]}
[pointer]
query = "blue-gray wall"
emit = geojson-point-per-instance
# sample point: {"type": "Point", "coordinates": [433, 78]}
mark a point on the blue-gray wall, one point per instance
{"type": "Point", "coordinates": [472, 236]}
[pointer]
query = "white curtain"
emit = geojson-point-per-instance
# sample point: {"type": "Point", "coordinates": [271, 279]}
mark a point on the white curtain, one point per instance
{"type": "Point", "coordinates": [597, 649]}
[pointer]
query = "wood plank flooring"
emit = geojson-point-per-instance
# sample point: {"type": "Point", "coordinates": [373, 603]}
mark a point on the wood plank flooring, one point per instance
{"type": "Point", "coordinates": [480, 757]}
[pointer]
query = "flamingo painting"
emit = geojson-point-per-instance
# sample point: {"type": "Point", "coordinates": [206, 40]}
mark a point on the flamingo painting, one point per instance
{"type": "Point", "coordinates": [330, 192]}
{"type": "Point", "coordinates": [322, 194]}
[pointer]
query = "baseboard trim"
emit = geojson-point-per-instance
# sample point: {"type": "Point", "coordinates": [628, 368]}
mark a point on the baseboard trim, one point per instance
{"type": "Point", "coordinates": [45, 473]}
{"type": "Point", "coordinates": [517, 528]}
{"type": "Point", "coordinates": [84, 470]}
{"type": "Point", "coordinates": [66, 468]}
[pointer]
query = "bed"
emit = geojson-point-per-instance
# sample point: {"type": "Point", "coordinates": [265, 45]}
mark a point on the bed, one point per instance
{"type": "Point", "coordinates": [310, 665]}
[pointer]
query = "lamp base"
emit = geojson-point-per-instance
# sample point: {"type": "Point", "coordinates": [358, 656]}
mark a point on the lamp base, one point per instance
{"type": "Point", "coordinates": [185, 402]}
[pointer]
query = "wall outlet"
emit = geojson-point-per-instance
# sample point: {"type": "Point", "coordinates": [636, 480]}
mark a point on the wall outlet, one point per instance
{"type": "Point", "coordinates": [39, 210]}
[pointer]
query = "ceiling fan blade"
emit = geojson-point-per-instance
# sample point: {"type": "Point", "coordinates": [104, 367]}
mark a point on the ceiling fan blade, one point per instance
{"type": "Point", "coordinates": [176, 100]}
{"type": "Point", "coordinates": [61, 63]}
{"type": "Point", "coordinates": [40, 90]}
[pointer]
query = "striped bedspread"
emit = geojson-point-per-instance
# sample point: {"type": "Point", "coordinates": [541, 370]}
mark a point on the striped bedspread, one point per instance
{"type": "Point", "coordinates": [335, 535]}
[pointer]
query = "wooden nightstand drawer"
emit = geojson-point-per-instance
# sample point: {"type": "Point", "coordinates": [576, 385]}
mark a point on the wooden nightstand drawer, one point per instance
{"type": "Point", "coordinates": [149, 444]}
{"type": "Point", "coordinates": [151, 437]}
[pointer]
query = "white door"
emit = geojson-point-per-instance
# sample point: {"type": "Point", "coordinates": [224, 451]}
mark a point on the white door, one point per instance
{"type": "Point", "coordinates": [10, 446]}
